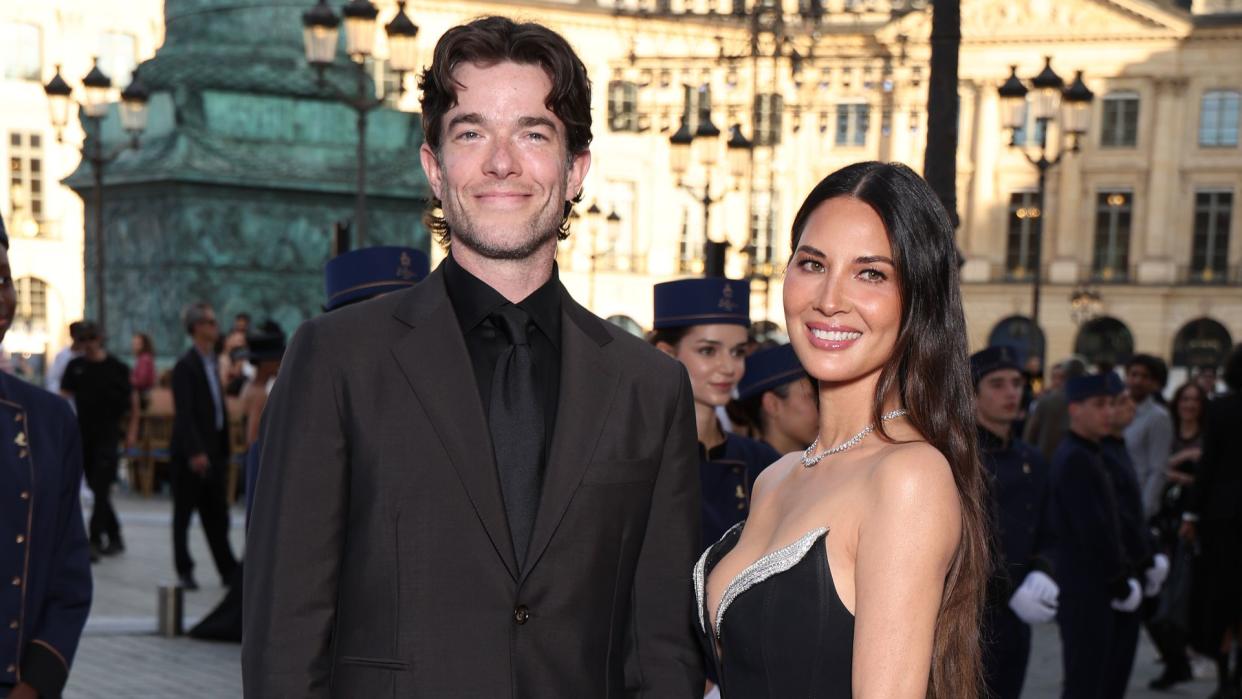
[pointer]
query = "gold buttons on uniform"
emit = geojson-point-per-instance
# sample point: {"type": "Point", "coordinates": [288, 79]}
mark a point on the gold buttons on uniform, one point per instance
{"type": "Point", "coordinates": [1026, 468]}
{"type": "Point", "coordinates": [10, 669]}
{"type": "Point", "coordinates": [25, 495]}
{"type": "Point", "coordinates": [21, 539]}
{"type": "Point", "coordinates": [16, 581]}
{"type": "Point", "coordinates": [20, 439]}
{"type": "Point", "coordinates": [13, 624]}
{"type": "Point", "coordinates": [21, 454]}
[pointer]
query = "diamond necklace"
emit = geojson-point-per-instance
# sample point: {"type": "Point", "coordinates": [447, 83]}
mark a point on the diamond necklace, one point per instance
{"type": "Point", "coordinates": [808, 461]}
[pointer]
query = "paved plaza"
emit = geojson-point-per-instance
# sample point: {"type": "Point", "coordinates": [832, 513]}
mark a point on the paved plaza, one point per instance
{"type": "Point", "coordinates": [121, 655]}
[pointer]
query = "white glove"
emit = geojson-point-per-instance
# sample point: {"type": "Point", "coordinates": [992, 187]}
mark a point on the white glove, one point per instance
{"type": "Point", "coordinates": [1132, 602]}
{"type": "Point", "coordinates": [1044, 587]}
{"type": "Point", "coordinates": [1030, 605]}
{"type": "Point", "coordinates": [1156, 575]}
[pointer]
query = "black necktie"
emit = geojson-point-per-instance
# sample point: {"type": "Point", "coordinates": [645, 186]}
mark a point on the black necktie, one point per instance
{"type": "Point", "coordinates": [515, 419]}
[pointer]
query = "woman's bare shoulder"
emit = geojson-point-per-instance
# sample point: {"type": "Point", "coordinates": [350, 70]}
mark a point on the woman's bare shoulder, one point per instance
{"type": "Point", "coordinates": [913, 475]}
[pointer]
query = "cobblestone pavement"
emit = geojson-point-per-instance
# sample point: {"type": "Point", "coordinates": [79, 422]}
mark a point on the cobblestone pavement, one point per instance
{"type": "Point", "coordinates": [120, 655]}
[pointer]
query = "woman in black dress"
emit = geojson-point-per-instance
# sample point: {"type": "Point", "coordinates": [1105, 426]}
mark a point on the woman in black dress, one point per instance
{"type": "Point", "coordinates": [860, 570]}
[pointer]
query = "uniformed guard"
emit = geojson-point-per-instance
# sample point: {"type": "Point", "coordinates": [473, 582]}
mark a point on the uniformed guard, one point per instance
{"type": "Point", "coordinates": [703, 324]}
{"type": "Point", "coordinates": [1022, 590]}
{"type": "Point", "coordinates": [358, 275]}
{"type": "Point", "coordinates": [1138, 546]}
{"type": "Point", "coordinates": [45, 570]}
{"type": "Point", "coordinates": [779, 400]}
{"type": "Point", "coordinates": [1090, 564]}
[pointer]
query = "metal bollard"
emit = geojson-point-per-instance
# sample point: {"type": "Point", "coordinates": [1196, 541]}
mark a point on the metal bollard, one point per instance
{"type": "Point", "coordinates": [171, 610]}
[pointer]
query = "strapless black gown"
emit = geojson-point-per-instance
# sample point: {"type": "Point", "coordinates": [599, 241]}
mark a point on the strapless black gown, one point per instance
{"type": "Point", "coordinates": [783, 630]}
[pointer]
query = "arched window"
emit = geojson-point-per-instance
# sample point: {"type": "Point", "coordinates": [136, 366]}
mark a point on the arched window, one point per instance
{"type": "Point", "coordinates": [31, 301]}
{"type": "Point", "coordinates": [1105, 341]}
{"type": "Point", "coordinates": [1020, 333]}
{"type": "Point", "coordinates": [1218, 118]}
{"type": "Point", "coordinates": [1202, 342]}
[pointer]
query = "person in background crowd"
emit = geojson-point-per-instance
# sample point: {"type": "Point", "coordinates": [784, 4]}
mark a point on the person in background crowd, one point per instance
{"type": "Point", "coordinates": [1140, 557]}
{"type": "Point", "coordinates": [241, 324]}
{"type": "Point", "coordinates": [1206, 378]}
{"type": "Point", "coordinates": [703, 323]}
{"type": "Point", "coordinates": [778, 401]}
{"type": "Point", "coordinates": [63, 357]}
{"type": "Point", "coordinates": [1169, 628]}
{"type": "Point", "coordinates": [1022, 590]}
{"type": "Point", "coordinates": [1049, 418]}
{"type": "Point", "coordinates": [200, 449]}
{"type": "Point", "coordinates": [98, 383]}
{"type": "Point", "coordinates": [1091, 571]}
{"type": "Point", "coordinates": [44, 545]}
{"type": "Point", "coordinates": [1150, 435]}
{"type": "Point", "coordinates": [235, 371]}
{"type": "Point", "coordinates": [142, 378]}
{"type": "Point", "coordinates": [1214, 520]}
{"type": "Point", "coordinates": [266, 347]}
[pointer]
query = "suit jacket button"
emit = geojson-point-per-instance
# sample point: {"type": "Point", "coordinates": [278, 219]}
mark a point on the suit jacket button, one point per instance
{"type": "Point", "coordinates": [521, 615]}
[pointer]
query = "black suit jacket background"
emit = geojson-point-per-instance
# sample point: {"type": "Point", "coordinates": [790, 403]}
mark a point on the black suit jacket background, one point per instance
{"type": "Point", "coordinates": [194, 418]}
{"type": "Point", "coordinates": [379, 560]}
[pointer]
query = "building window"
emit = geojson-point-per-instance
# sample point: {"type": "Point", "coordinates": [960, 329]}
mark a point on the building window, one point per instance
{"type": "Point", "coordinates": [21, 52]}
{"type": "Point", "coordinates": [1218, 118]}
{"type": "Point", "coordinates": [26, 191]}
{"type": "Point", "coordinates": [118, 56]}
{"type": "Point", "coordinates": [1210, 255]}
{"type": "Point", "coordinates": [853, 120]}
{"type": "Point", "coordinates": [1112, 235]}
{"type": "Point", "coordinates": [1119, 128]}
{"type": "Point", "coordinates": [767, 119]}
{"type": "Point", "coordinates": [1025, 228]}
{"type": "Point", "coordinates": [31, 302]}
{"type": "Point", "coordinates": [622, 106]}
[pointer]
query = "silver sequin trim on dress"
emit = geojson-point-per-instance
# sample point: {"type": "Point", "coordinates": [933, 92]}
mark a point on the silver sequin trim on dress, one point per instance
{"type": "Point", "coordinates": [776, 562]}
{"type": "Point", "coordinates": [697, 574]}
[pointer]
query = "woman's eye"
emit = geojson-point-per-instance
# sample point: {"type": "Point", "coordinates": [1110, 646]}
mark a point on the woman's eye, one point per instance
{"type": "Point", "coordinates": [808, 264]}
{"type": "Point", "coordinates": [707, 351]}
{"type": "Point", "coordinates": [873, 275]}
{"type": "Point", "coordinates": [738, 353]}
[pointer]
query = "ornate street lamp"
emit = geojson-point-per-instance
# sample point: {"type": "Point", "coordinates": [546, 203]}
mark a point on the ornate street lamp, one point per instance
{"type": "Point", "coordinates": [96, 94]}
{"type": "Point", "coordinates": [320, 29]}
{"type": "Point", "coordinates": [1050, 97]}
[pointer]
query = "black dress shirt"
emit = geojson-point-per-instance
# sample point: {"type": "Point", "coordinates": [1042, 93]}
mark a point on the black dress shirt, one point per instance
{"type": "Point", "coordinates": [474, 302]}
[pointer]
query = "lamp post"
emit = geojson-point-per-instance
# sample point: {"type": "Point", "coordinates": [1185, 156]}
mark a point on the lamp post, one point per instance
{"type": "Point", "coordinates": [612, 224]}
{"type": "Point", "coordinates": [1051, 95]}
{"type": "Point", "coordinates": [320, 28]}
{"type": "Point", "coordinates": [703, 146]}
{"type": "Point", "coordinates": [96, 92]}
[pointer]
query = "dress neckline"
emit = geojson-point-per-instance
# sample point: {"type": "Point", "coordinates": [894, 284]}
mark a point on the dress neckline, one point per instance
{"type": "Point", "coordinates": [766, 566]}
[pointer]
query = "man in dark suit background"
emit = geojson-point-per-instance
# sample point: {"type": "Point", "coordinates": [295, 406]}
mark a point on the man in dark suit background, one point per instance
{"type": "Point", "coordinates": [475, 487]}
{"type": "Point", "coordinates": [200, 448]}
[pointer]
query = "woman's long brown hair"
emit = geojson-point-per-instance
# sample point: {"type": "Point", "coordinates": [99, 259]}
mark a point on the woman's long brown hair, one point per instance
{"type": "Point", "coordinates": [930, 371]}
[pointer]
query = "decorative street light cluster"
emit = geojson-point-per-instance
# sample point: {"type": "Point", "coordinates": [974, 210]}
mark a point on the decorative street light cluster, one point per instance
{"type": "Point", "coordinates": [96, 98]}
{"type": "Point", "coordinates": [1050, 97]}
{"type": "Point", "coordinates": [320, 29]}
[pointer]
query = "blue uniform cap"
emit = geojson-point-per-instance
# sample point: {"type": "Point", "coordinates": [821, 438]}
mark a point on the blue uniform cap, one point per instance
{"type": "Point", "coordinates": [1081, 388]}
{"type": "Point", "coordinates": [705, 301]}
{"type": "Point", "coordinates": [360, 274]}
{"type": "Point", "coordinates": [992, 359]}
{"type": "Point", "coordinates": [769, 368]}
{"type": "Point", "coordinates": [1115, 385]}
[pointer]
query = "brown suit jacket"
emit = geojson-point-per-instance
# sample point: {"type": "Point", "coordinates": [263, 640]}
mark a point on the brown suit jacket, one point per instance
{"type": "Point", "coordinates": [378, 559]}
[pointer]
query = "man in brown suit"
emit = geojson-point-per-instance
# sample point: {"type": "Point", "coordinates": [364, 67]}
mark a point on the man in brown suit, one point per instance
{"type": "Point", "coordinates": [475, 487]}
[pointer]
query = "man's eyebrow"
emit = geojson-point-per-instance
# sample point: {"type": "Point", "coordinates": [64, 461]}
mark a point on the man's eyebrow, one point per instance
{"type": "Point", "coordinates": [467, 118]}
{"type": "Point", "coordinates": [527, 122]}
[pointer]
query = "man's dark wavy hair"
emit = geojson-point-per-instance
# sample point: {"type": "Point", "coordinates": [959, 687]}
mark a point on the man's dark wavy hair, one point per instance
{"type": "Point", "coordinates": [490, 40]}
{"type": "Point", "coordinates": [929, 371]}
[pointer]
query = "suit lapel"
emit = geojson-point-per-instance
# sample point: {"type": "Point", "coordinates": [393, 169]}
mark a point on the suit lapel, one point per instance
{"type": "Point", "coordinates": [435, 361]}
{"type": "Point", "coordinates": [588, 385]}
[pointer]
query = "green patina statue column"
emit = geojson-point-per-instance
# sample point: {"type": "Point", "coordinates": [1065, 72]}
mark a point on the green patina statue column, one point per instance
{"type": "Point", "coordinates": [243, 170]}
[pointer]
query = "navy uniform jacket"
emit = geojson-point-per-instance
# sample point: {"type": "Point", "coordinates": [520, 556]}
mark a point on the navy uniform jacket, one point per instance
{"type": "Point", "coordinates": [728, 473]}
{"type": "Point", "coordinates": [1021, 511]}
{"type": "Point", "coordinates": [45, 569]}
{"type": "Point", "coordinates": [1089, 556]}
{"type": "Point", "coordinates": [1136, 539]}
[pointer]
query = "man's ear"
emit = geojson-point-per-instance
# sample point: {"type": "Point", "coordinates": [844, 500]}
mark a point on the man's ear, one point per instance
{"type": "Point", "coordinates": [431, 166]}
{"type": "Point", "coordinates": [771, 403]}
